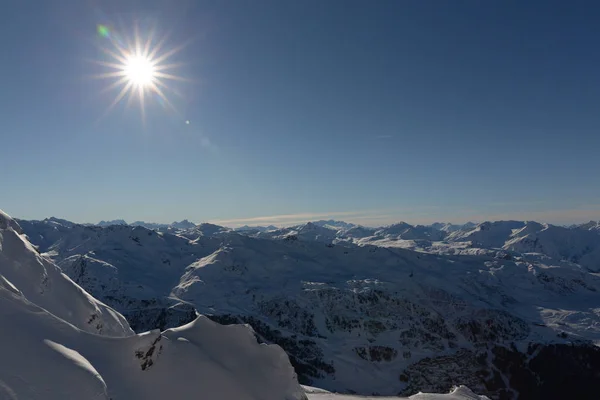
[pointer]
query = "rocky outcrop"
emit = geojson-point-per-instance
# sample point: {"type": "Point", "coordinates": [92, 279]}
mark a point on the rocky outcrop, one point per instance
{"type": "Point", "coordinates": [554, 371]}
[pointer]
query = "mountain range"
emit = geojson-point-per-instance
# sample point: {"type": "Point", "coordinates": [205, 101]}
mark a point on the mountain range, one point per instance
{"type": "Point", "coordinates": [508, 308]}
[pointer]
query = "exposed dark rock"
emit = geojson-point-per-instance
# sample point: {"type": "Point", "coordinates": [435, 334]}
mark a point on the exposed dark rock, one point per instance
{"type": "Point", "coordinates": [556, 371]}
{"type": "Point", "coordinates": [376, 353]}
{"type": "Point", "coordinates": [304, 354]}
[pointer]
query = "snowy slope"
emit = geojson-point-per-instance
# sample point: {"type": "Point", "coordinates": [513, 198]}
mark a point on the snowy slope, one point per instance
{"type": "Point", "coordinates": [359, 232]}
{"type": "Point", "coordinates": [44, 357]}
{"type": "Point", "coordinates": [458, 393]}
{"type": "Point", "coordinates": [202, 230]}
{"type": "Point", "coordinates": [185, 224]}
{"type": "Point", "coordinates": [574, 245]}
{"type": "Point", "coordinates": [448, 227]}
{"type": "Point", "coordinates": [333, 224]}
{"type": "Point", "coordinates": [591, 226]}
{"type": "Point", "coordinates": [310, 232]}
{"type": "Point", "coordinates": [255, 229]}
{"type": "Point", "coordinates": [406, 231]}
{"type": "Point", "coordinates": [579, 244]}
{"type": "Point", "coordinates": [486, 234]}
{"type": "Point", "coordinates": [42, 282]}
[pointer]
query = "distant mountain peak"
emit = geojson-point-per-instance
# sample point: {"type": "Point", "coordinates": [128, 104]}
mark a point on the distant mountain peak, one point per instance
{"type": "Point", "coordinates": [112, 222]}
{"type": "Point", "coordinates": [333, 224]}
{"type": "Point", "coordinates": [184, 224]}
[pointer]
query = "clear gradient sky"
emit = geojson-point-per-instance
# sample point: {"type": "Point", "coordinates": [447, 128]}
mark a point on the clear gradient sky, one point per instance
{"type": "Point", "coordinates": [367, 111]}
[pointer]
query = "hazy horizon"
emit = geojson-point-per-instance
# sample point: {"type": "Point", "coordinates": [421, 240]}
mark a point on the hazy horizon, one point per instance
{"type": "Point", "coordinates": [363, 219]}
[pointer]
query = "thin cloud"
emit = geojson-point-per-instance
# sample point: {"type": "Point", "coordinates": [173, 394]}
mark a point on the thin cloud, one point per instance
{"type": "Point", "coordinates": [364, 217]}
{"type": "Point", "coordinates": [284, 218]}
{"type": "Point", "coordinates": [422, 215]}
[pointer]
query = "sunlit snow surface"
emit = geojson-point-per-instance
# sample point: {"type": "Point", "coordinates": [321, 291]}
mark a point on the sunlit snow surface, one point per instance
{"type": "Point", "coordinates": [459, 393]}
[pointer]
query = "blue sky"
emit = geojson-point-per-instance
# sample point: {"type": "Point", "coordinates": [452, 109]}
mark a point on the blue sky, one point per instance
{"type": "Point", "coordinates": [367, 111]}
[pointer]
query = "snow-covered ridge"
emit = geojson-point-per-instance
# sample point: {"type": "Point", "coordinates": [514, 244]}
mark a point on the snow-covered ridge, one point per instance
{"type": "Point", "coordinates": [43, 283]}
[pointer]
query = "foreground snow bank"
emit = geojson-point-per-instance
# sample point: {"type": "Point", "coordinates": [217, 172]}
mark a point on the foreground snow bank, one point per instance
{"type": "Point", "coordinates": [44, 357]}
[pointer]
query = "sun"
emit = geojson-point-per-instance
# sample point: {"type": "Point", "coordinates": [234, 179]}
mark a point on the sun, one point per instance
{"type": "Point", "coordinates": [139, 68]}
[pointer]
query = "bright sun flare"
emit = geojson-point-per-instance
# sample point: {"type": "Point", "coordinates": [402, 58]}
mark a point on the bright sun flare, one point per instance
{"type": "Point", "coordinates": [139, 68]}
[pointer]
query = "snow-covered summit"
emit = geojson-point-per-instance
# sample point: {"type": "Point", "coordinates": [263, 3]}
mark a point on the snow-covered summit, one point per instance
{"type": "Point", "coordinates": [255, 229]}
{"type": "Point", "coordinates": [590, 226]}
{"type": "Point", "coordinates": [6, 222]}
{"type": "Point", "coordinates": [112, 222]}
{"type": "Point", "coordinates": [487, 234]}
{"type": "Point", "coordinates": [449, 227]}
{"type": "Point", "coordinates": [333, 224]}
{"type": "Point", "coordinates": [405, 231]}
{"type": "Point", "coordinates": [184, 224]}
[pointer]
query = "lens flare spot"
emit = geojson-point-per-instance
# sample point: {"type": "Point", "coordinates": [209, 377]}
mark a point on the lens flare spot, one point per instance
{"type": "Point", "coordinates": [103, 31]}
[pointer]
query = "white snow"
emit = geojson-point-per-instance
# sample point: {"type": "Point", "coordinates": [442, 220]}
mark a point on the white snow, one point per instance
{"type": "Point", "coordinates": [459, 393]}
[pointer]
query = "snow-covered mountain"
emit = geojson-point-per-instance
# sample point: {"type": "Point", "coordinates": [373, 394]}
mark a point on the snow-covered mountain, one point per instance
{"type": "Point", "coordinates": [406, 231]}
{"type": "Point", "coordinates": [42, 282]}
{"type": "Point", "coordinates": [358, 232]}
{"type": "Point", "coordinates": [355, 316]}
{"type": "Point", "coordinates": [132, 269]}
{"type": "Point", "coordinates": [150, 225]}
{"type": "Point", "coordinates": [306, 232]}
{"type": "Point", "coordinates": [590, 226]}
{"type": "Point", "coordinates": [112, 222]}
{"type": "Point", "coordinates": [448, 227]}
{"type": "Point", "coordinates": [487, 234]}
{"type": "Point", "coordinates": [333, 224]}
{"type": "Point", "coordinates": [184, 224]}
{"type": "Point", "coordinates": [343, 312]}
{"type": "Point", "coordinates": [254, 229]}
{"type": "Point", "coordinates": [203, 230]}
